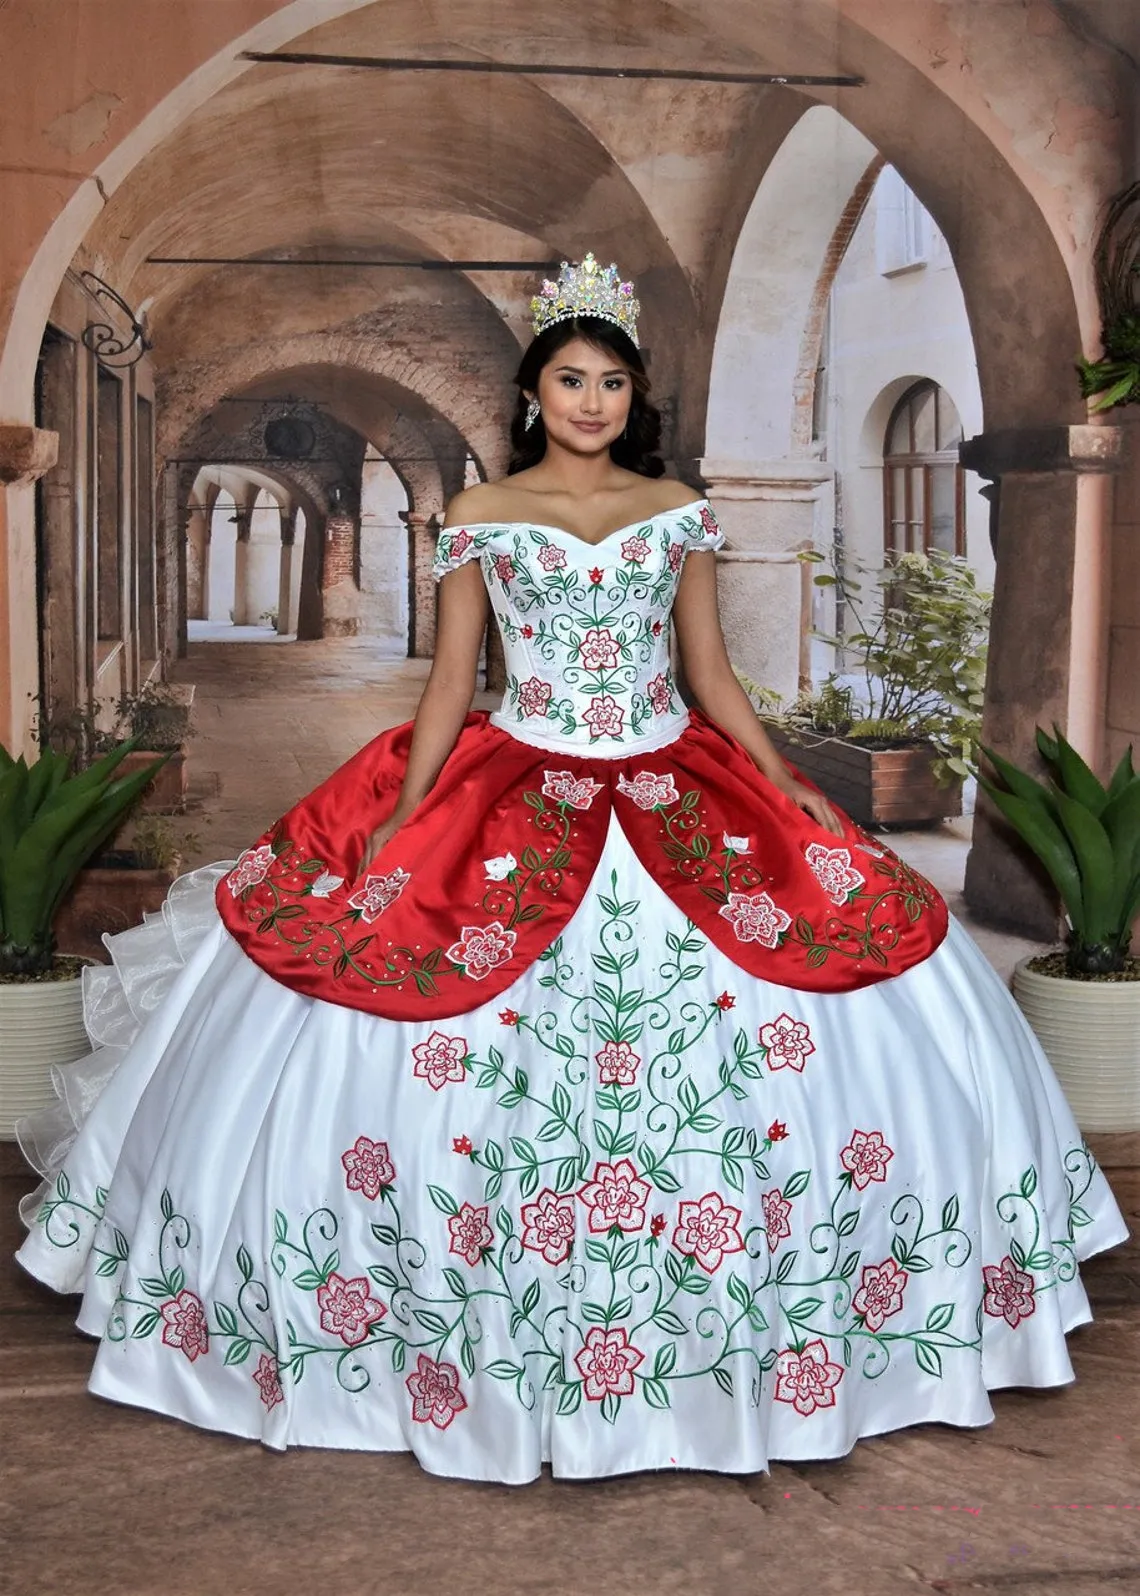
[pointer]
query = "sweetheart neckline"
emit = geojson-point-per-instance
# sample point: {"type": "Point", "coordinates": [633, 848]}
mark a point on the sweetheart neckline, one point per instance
{"type": "Point", "coordinates": [542, 526]}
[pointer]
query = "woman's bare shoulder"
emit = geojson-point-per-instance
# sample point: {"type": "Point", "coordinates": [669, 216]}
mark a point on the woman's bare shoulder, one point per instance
{"type": "Point", "coordinates": [482, 502]}
{"type": "Point", "coordinates": [674, 495]}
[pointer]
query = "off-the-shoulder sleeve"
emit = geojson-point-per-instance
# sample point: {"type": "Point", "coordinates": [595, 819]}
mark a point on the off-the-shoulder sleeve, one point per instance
{"type": "Point", "coordinates": [455, 547]}
{"type": "Point", "coordinates": [702, 529]}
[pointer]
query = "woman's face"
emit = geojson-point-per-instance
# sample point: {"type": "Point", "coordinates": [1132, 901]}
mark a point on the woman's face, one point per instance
{"type": "Point", "coordinates": [585, 395]}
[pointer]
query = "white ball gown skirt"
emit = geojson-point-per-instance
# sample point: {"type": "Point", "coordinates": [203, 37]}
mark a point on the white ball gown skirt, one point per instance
{"type": "Point", "coordinates": [640, 1210]}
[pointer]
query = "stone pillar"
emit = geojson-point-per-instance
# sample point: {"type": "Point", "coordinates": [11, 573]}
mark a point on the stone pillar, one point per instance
{"type": "Point", "coordinates": [285, 584]}
{"type": "Point", "coordinates": [769, 513]}
{"type": "Point", "coordinates": [1052, 511]}
{"type": "Point", "coordinates": [339, 591]}
{"type": "Point", "coordinates": [197, 564]}
{"type": "Point", "coordinates": [242, 617]}
{"type": "Point", "coordinates": [26, 453]}
{"type": "Point", "coordinates": [423, 533]}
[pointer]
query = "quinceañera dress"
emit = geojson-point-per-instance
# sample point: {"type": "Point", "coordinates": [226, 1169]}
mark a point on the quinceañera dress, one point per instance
{"type": "Point", "coordinates": [619, 1117]}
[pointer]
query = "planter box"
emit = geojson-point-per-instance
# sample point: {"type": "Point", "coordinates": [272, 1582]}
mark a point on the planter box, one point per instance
{"type": "Point", "coordinates": [1090, 1033]}
{"type": "Point", "coordinates": [877, 787]}
{"type": "Point", "coordinates": [166, 794]}
{"type": "Point", "coordinates": [111, 895]}
{"type": "Point", "coordinates": [41, 1024]}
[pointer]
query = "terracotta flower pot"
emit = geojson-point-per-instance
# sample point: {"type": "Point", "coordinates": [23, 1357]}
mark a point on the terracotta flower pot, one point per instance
{"type": "Point", "coordinates": [1090, 1033]}
{"type": "Point", "coordinates": [877, 787]}
{"type": "Point", "coordinates": [109, 896]}
{"type": "Point", "coordinates": [167, 792]}
{"type": "Point", "coordinates": [41, 1024]}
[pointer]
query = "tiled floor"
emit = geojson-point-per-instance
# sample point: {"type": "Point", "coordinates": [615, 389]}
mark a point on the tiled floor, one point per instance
{"type": "Point", "coordinates": [101, 1501]}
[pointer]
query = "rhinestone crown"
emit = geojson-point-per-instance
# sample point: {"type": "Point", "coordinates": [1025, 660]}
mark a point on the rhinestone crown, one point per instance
{"type": "Point", "coordinates": [586, 290]}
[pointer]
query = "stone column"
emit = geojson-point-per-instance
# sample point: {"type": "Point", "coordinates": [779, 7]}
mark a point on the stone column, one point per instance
{"type": "Point", "coordinates": [769, 513]}
{"type": "Point", "coordinates": [242, 617]}
{"type": "Point", "coordinates": [423, 534]}
{"type": "Point", "coordinates": [26, 453]}
{"type": "Point", "coordinates": [1052, 515]}
{"type": "Point", "coordinates": [285, 582]}
{"type": "Point", "coordinates": [339, 591]}
{"type": "Point", "coordinates": [197, 564]}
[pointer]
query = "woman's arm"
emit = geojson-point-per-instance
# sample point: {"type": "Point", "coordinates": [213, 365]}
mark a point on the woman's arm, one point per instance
{"type": "Point", "coordinates": [446, 697]}
{"type": "Point", "coordinates": [709, 674]}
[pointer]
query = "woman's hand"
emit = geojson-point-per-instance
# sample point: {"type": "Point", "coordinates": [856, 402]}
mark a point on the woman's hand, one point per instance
{"type": "Point", "coordinates": [379, 839]}
{"type": "Point", "coordinates": [814, 804]}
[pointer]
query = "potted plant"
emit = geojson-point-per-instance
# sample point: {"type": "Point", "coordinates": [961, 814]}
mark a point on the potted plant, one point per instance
{"type": "Point", "coordinates": [1083, 1001]}
{"type": "Point", "coordinates": [158, 720]}
{"type": "Point", "coordinates": [51, 821]}
{"type": "Point", "coordinates": [894, 745]}
{"type": "Point", "coordinates": [122, 884]}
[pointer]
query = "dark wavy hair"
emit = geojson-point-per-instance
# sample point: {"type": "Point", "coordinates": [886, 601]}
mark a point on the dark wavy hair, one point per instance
{"type": "Point", "coordinates": [637, 448]}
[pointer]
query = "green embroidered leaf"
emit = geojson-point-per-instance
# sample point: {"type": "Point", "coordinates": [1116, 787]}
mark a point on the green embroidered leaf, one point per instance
{"type": "Point", "coordinates": [656, 1394]}
{"type": "Point", "coordinates": [550, 1130]}
{"type": "Point", "coordinates": [384, 1234]}
{"type": "Point", "coordinates": [597, 1251]}
{"type": "Point", "coordinates": [594, 1313]}
{"type": "Point", "coordinates": [801, 1311]}
{"type": "Point", "coordinates": [939, 1318]}
{"type": "Point", "coordinates": [620, 1309]}
{"type": "Point", "coordinates": [950, 1213]}
{"type": "Point", "coordinates": [740, 1291]}
{"type": "Point", "coordinates": [63, 1186]}
{"type": "Point", "coordinates": [665, 1319]}
{"type": "Point", "coordinates": [676, 1043]}
{"type": "Point", "coordinates": [786, 1265]}
{"type": "Point", "coordinates": [487, 1077]}
{"type": "Point", "coordinates": [156, 1286]}
{"type": "Point", "coordinates": [1029, 1182]}
{"type": "Point", "coordinates": [607, 963]}
{"type": "Point", "coordinates": [768, 1361]}
{"type": "Point", "coordinates": [625, 1256]}
{"type": "Point", "coordinates": [330, 1265]}
{"type": "Point", "coordinates": [917, 1264]}
{"type": "Point", "coordinates": [435, 1324]}
{"type": "Point", "coordinates": [1017, 1252]}
{"type": "Point", "coordinates": [733, 1171]}
{"type": "Point", "coordinates": [523, 1150]}
{"type": "Point", "coordinates": [166, 1203]}
{"type": "Point", "coordinates": [663, 1179]}
{"type": "Point", "coordinates": [848, 1222]}
{"type": "Point", "coordinates": [467, 1356]}
{"type": "Point", "coordinates": [723, 1378]}
{"type": "Point", "coordinates": [569, 1399]}
{"type": "Point", "coordinates": [695, 1285]}
{"type": "Point", "coordinates": [665, 1360]}
{"type": "Point", "coordinates": [733, 1140]}
{"type": "Point", "coordinates": [492, 1152]}
{"type": "Point", "coordinates": [565, 1176]}
{"type": "Point", "coordinates": [797, 1183]}
{"type": "Point", "coordinates": [611, 1407]}
{"type": "Point", "coordinates": [688, 1095]}
{"type": "Point", "coordinates": [850, 1264]}
{"type": "Point", "coordinates": [530, 1297]}
{"type": "Point", "coordinates": [928, 1358]}
{"type": "Point", "coordinates": [503, 1369]}
{"type": "Point", "coordinates": [399, 1352]}
{"type": "Point", "coordinates": [511, 1098]}
{"type": "Point", "coordinates": [624, 1144]}
{"type": "Point", "coordinates": [145, 1325]}
{"type": "Point", "coordinates": [674, 1268]}
{"type": "Point", "coordinates": [443, 1200]}
{"type": "Point", "coordinates": [528, 1183]}
{"type": "Point", "coordinates": [560, 1101]}
{"type": "Point", "coordinates": [604, 1136]}
{"type": "Point", "coordinates": [108, 1265]}
{"type": "Point", "coordinates": [504, 1222]}
{"type": "Point", "coordinates": [533, 911]}
{"type": "Point", "coordinates": [308, 1280]}
{"type": "Point", "coordinates": [704, 1123]}
{"type": "Point", "coordinates": [531, 859]}
{"type": "Point", "coordinates": [280, 1226]}
{"type": "Point", "coordinates": [176, 1279]}
{"type": "Point", "coordinates": [383, 1276]}
{"type": "Point", "coordinates": [122, 1247]}
{"type": "Point", "coordinates": [756, 1318]}
{"type": "Point", "coordinates": [818, 956]}
{"type": "Point", "coordinates": [455, 1281]}
{"type": "Point", "coordinates": [533, 801]}
{"type": "Point", "coordinates": [691, 799]}
{"type": "Point", "coordinates": [899, 1251]}
{"type": "Point", "coordinates": [628, 1102]}
{"type": "Point", "coordinates": [237, 1351]}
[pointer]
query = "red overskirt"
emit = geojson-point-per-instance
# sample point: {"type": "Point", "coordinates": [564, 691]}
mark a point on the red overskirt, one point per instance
{"type": "Point", "coordinates": [492, 865]}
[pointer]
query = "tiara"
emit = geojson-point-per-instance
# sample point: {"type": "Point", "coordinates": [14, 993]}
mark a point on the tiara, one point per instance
{"type": "Point", "coordinates": [586, 290]}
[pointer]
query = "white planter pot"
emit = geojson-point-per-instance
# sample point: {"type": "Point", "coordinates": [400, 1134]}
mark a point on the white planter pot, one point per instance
{"type": "Point", "coordinates": [41, 1024]}
{"type": "Point", "coordinates": [1090, 1033]}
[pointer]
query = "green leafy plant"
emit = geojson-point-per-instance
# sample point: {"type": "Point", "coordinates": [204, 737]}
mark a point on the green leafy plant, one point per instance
{"type": "Point", "coordinates": [1088, 838]}
{"type": "Point", "coordinates": [158, 845]}
{"type": "Point", "coordinates": [51, 822]}
{"type": "Point", "coordinates": [1115, 378]}
{"type": "Point", "coordinates": [919, 642]}
{"type": "Point", "coordinates": [157, 718]}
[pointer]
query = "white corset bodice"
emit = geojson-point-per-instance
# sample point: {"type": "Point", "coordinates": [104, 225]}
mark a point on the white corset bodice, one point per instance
{"type": "Point", "coordinates": [585, 626]}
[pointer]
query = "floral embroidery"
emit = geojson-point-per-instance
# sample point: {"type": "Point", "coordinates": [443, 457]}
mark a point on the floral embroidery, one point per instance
{"type": "Point", "coordinates": [866, 1157]}
{"type": "Point", "coordinates": [471, 1235]}
{"type": "Point", "coordinates": [776, 1209]}
{"type": "Point", "coordinates": [481, 949]}
{"type": "Point", "coordinates": [707, 1230]}
{"type": "Point", "coordinates": [634, 549]}
{"type": "Point", "coordinates": [566, 788]}
{"type": "Point", "coordinates": [348, 1309]}
{"type": "Point", "coordinates": [647, 789]}
{"type": "Point", "coordinates": [617, 1064]}
{"type": "Point", "coordinates": [325, 885]}
{"type": "Point", "coordinates": [1009, 1292]}
{"type": "Point", "coordinates": [660, 694]}
{"type": "Point", "coordinates": [548, 1226]}
{"type": "Point", "coordinates": [737, 844]}
{"type": "Point", "coordinates": [708, 522]}
{"type": "Point", "coordinates": [606, 1364]}
{"type": "Point", "coordinates": [378, 893]}
{"type": "Point", "coordinates": [436, 1397]}
{"type": "Point", "coordinates": [268, 1381]}
{"type": "Point", "coordinates": [599, 649]}
{"type": "Point", "coordinates": [596, 575]}
{"type": "Point", "coordinates": [368, 1167]}
{"type": "Point", "coordinates": [615, 1197]}
{"type": "Point", "coordinates": [604, 716]}
{"type": "Point", "coordinates": [504, 569]}
{"type": "Point", "coordinates": [441, 1059]}
{"type": "Point", "coordinates": [725, 1002]}
{"type": "Point", "coordinates": [551, 558]}
{"type": "Point", "coordinates": [777, 1131]}
{"type": "Point", "coordinates": [755, 918]}
{"type": "Point", "coordinates": [880, 1293]}
{"type": "Point", "coordinates": [499, 869]}
{"type": "Point", "coordinates": [831, 867]}
{"type": "Point", "coordinates": [807, 1379]}
{"type": "Point", "coordinates": [509, 1017]}
{"type": "Point", "coordinates": [462, 1144]}
{"type": "Point", "coordinates": [461, 541]}
{"type": "Point", "coordinates": [184, 1325]}
{"type": "Point", "coordinates": [786, 1042]}
{"type": "Point", "coordinates": [251, 869]}
{"type": "Point", "coordinates": [534, 696]}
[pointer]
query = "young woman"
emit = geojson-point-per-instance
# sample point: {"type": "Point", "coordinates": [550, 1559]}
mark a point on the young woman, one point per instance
{"type": "Point", "coordinates": [573, 1083]}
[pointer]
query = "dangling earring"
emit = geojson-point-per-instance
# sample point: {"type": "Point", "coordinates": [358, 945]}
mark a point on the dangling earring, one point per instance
{"type": "Point", "coordinates": [533, 411]}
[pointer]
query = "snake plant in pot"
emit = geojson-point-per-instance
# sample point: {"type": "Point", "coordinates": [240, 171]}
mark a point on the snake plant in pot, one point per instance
{"type": "Point", "coordinates": [1083, 1001]}
{"type": "Point", "coordinates": [51, 822]}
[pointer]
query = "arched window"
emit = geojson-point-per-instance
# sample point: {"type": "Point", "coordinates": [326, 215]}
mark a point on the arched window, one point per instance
{"type": "Point", "coordinates": [923, 504]}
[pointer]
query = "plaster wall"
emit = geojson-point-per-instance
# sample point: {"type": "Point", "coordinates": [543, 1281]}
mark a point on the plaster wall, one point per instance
{"type": "Point", "coordinates": [383, 604]}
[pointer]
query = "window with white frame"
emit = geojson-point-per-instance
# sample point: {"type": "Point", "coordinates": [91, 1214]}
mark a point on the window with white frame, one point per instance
{"type": "Point", "coordinates": [904, 228]}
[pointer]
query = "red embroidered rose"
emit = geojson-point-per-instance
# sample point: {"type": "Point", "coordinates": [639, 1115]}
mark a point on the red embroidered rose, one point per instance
{"type": "Point", "coordinates": [866, 1157]}
{"type": "Point", "coordinates": [709, 522]}
{"type": "Point", "coordinates": [634, 549]}
{"type": "Point", "coordinates": [368, 1168]}
{"type": "Point", "coordinates": [566, 788]}
{"type": "Point", "coordinates": [656, 628]}
{"type": "Point", "coordinates": [504, 569]}
{"type": "Point", "coordinates": [508, 1017]}
{"type": "Point", "coordinates": [378, 893]}
{"type": "Point", "coordinates": [595, 576]}
{"type": "Point", "coordinates": [268, 1381]}
{"type": "Point", "coordinates": [184, 1325]}
{"type": "Point", "coordinates": [481, 949]}
{"type": "Point", "coordinates": [434, 1388]}
{"type": "Point", "coordinates": [806, 1379]}
{"type": "Point", "coordinates": [526, 631]}
{"type": "Point", "coordinates": [648, 789]}
{"type": "Point", "coordinates": [617, 1064]}
{"type": "Point", "coordinates": [707, 1230]}
{"type": "Point", "coordinates": [777, 1131]}
{"type": "Point", "coordinates": [551, 558]}
{"type": "Point", "coordinates": [755, 918]}
{"type": "Point", "coordinates": [440, 1059]}
{"type": "Point", "coordinates": [462, 1144]}
{"type": "Point", "coordinates": [470, 1233]}
{"type": "Point", "coordinates": [460, 543]}
{"type": "Point", "coordinates": [831, 867]}
{"type": "Point", "coordinates": [534, 696]}
{"type": "Point", "coordinates": [615, 1196]}
{"type": "Point", "coordinates": [348, 1309]}
{"type": "Point", "coordinates": [776, 1208]}
{"type": "Point", "coordinates": [1009, 1292]}
{"type": "Point", "coordinates": [725, 1002]}
{"type": "Point", "coordinates": [880, 1292]}
{"type": "Point", "coordinates": [787, 1043]}
{"type": "Point", "coordinates": [605, 717]}
{"type": "Point", "coordinates": [657, 1225]}
{"type": "Point", "coordinates": [251, 869]}
{"type": "Point", "coordinates": [660, 694]}
{"type": "Point", "coordinates": [548, 1226]}
{"type": "Point", "coordinates": [675, 556]}
{"type": "Point", "coordinates": [599, 649]}
{"type": "Point", "coordinates": [606, 1364]}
